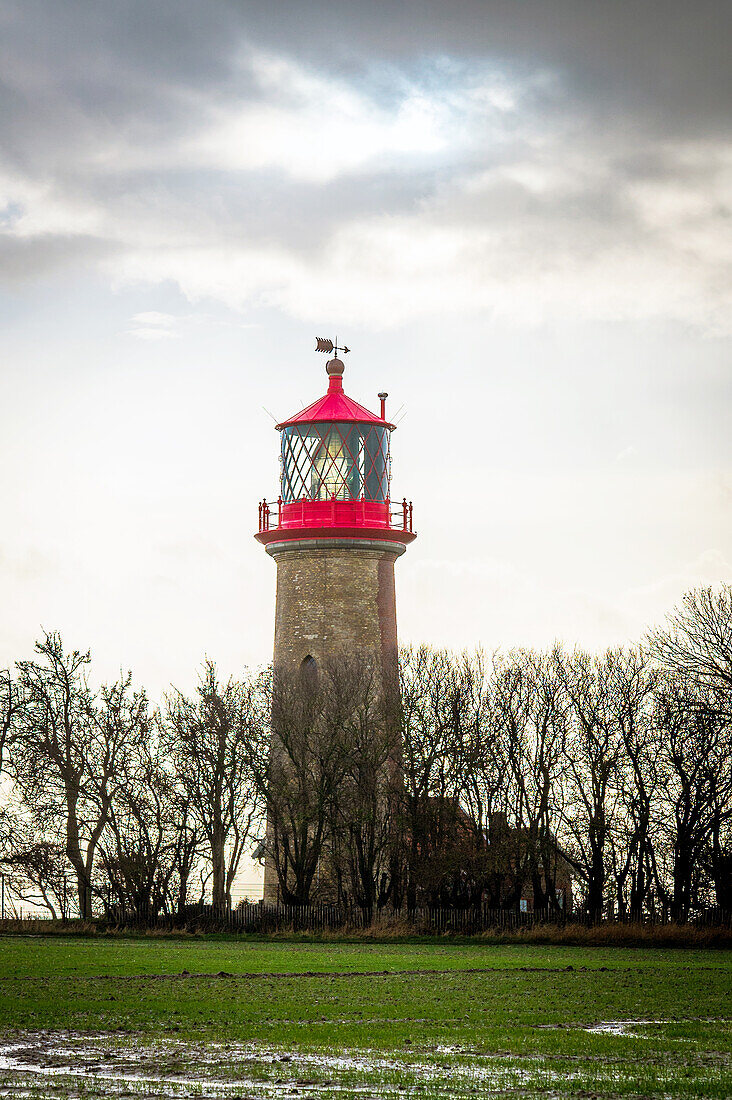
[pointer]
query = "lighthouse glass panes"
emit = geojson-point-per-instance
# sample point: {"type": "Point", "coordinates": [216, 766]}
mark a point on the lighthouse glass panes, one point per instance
{"type": "Point", "coordinates": [335, 461]}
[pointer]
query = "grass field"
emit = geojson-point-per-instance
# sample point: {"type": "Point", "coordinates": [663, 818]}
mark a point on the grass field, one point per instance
{"type": "Point", "coordinates": [224, 1018]}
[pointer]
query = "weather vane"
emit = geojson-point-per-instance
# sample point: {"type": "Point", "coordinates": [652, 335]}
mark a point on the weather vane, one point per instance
{"type": "Point", "coordinates": [328, 345]}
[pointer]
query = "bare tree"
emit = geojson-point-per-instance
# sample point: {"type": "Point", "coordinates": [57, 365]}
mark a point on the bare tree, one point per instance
{"type": "Point", "coordinates": [140, 849]}
{"type": "Point", "coordinates": [10, 705]}
{"type": "Point", "coordinates": [362, 831]}
{"type": "Point", "coordinates": [208, 740]}
{"type": "Point", "coordinates": [50, 753]}
{"type": "Point", "coordinates": [594, 753]}
{"type": "Point", "coordinates": [455, 777]}
{"type": "Point", "coordinates": [472, 780]}
{"type": "Point", "coordinates": [513, 705]}
{"type": "Point", "coordinates": [695, 653]}
{"type": "Point", "coordinates": [536, 737]}
{"type": "Point", "coordinates": [697, 642]}
{"type": "Point", "coordinates": [695, 789]}
{"type": "Point", "coordinates": [432, 724]}
{"type": "Point", "coordinates": [717, 856]}
{"type": "Point", "coordinates": [302, 774]}
{"type": "Point", "coordinates": [33, 868]}
{"type": "Point", "coordinates": [631, 684]}
{"type": "Point", "coordinates": [189, 840]}
{"type": "Point", "coordinates": [476, 751]}
{"type": "Point", "coordinates": [66, 752]}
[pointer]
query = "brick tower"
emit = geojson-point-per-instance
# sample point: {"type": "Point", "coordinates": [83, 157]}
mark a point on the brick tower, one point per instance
{"type": "Point", "coordinates": [335, 537]}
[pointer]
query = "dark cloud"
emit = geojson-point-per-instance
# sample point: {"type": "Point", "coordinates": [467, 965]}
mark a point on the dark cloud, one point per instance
{"type": "Point", "coordinates": [666, 61]}
{"type": "Point", "coordinates": [22, 259]}
{"type": "Point", "coordinates": [102, 105]}
{"type": "Point", "coordinates": [660, 60]}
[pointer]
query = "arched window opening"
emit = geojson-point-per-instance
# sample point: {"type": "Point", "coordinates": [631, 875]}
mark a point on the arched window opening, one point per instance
{"type": "Point", "coordinates": [309, 672]}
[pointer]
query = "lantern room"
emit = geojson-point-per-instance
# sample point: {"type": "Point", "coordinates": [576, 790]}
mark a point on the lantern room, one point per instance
{"type": "Point", "coordinates": [335, 472]}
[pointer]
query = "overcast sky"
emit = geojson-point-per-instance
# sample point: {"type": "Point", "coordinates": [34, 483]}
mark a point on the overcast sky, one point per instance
{"type": "Point", "coordinates": [516, 214]}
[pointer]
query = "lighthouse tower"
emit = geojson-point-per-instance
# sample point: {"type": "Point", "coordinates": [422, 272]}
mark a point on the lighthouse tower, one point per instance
{"type": "Point", "coordinates": [335, 535]}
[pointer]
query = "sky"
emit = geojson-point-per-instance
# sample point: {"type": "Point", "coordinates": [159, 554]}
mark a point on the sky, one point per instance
{"type": "Point", "coordinates": [517, 216]}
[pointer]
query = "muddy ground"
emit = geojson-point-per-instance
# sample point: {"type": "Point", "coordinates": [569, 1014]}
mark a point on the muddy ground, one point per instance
{"type": "Point", "coordinates": [73, 1066]}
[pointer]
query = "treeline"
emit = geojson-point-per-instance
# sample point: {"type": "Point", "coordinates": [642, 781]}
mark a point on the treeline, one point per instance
{"type": "Point", "coordinates": [137, 806]}
{"type": "Point", "coordinates": [604, 780]}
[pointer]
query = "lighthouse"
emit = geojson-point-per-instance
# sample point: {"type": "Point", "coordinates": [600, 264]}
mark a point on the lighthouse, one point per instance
{"type": "Point", "coordinates": [335, 535]}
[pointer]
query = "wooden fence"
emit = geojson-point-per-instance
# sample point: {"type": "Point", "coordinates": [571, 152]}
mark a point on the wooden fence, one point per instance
{"type": "Point", "coordinates": [260, 918]}
{"type": "Point", "coordinates": [257, 917]}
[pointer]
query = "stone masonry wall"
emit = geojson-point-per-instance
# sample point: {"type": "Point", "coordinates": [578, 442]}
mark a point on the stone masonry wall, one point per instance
{"type": "Point", "coordinates": [332, 600]}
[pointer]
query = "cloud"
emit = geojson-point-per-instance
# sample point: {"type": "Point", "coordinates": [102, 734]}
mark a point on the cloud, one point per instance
{"type": "Point", "coordinates": [627, 452]}
{"type": "Point", "coordinates": [154, 326]}
{"type": "Point", "coordinates": [316, 128]}
{"type": "Point", "coordinates": [28, 563]}
{"type": "Point", "coordinates": [517, 258]}
{"type": "Point", "coordinates": [710, 567]}
{"type": "Point", "coordinates": [474, 171]}
{"type": "Point", "coordinates": [476, 165]}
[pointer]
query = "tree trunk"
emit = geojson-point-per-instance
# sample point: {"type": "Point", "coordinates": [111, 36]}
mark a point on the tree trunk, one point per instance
{"type": "Point", "coordinates": [73, 851]}
{"type": "Point", "coordinates": [681, 884]}
{"type": "Point", "coordinates": [218, 865]}
{"type": "Point", "coordinates": [596, 882]}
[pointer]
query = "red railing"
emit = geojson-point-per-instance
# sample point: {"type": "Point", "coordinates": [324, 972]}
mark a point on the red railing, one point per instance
{"type": "Point", "coordinates": [276, 514]}
{"type": "Point", "coordinates": [405, 511]}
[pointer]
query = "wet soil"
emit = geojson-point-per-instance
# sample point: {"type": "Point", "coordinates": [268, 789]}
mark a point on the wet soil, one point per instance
{"type": "Point", "coordinates": [71, 1065]}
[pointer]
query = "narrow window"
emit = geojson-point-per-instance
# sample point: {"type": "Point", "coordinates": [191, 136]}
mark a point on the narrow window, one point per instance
{"type": "Point", "coordinates": [309, 672]}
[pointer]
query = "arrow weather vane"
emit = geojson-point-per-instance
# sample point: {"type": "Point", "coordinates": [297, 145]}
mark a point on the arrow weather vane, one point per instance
{"type": "Point", "coordinates": [328, 346]}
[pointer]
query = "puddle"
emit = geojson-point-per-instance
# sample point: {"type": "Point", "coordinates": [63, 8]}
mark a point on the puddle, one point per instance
{"type": "Point", "coordinates": [79, 1066]}
{"type": "Point", "coordinates": [620, 1027]}
{"type": "Point", "coordinates": [104, 1066]}
{"type": "Point", "coordinates": [624, 1028]}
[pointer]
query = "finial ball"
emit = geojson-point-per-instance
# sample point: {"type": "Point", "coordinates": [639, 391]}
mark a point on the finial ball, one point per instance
{"type": "Point", "coordinates": [335, 366]}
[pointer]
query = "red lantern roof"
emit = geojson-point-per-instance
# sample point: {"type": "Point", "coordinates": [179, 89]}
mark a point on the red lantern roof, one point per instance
{"type": "Point", "coordinates": [335, 405]}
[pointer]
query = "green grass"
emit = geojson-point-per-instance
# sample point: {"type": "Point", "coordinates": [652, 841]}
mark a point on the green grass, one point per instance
{"type": "Point", "coordinates": [36, 956]}
{"type": "Point", "coordinates": [448, 1017]}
